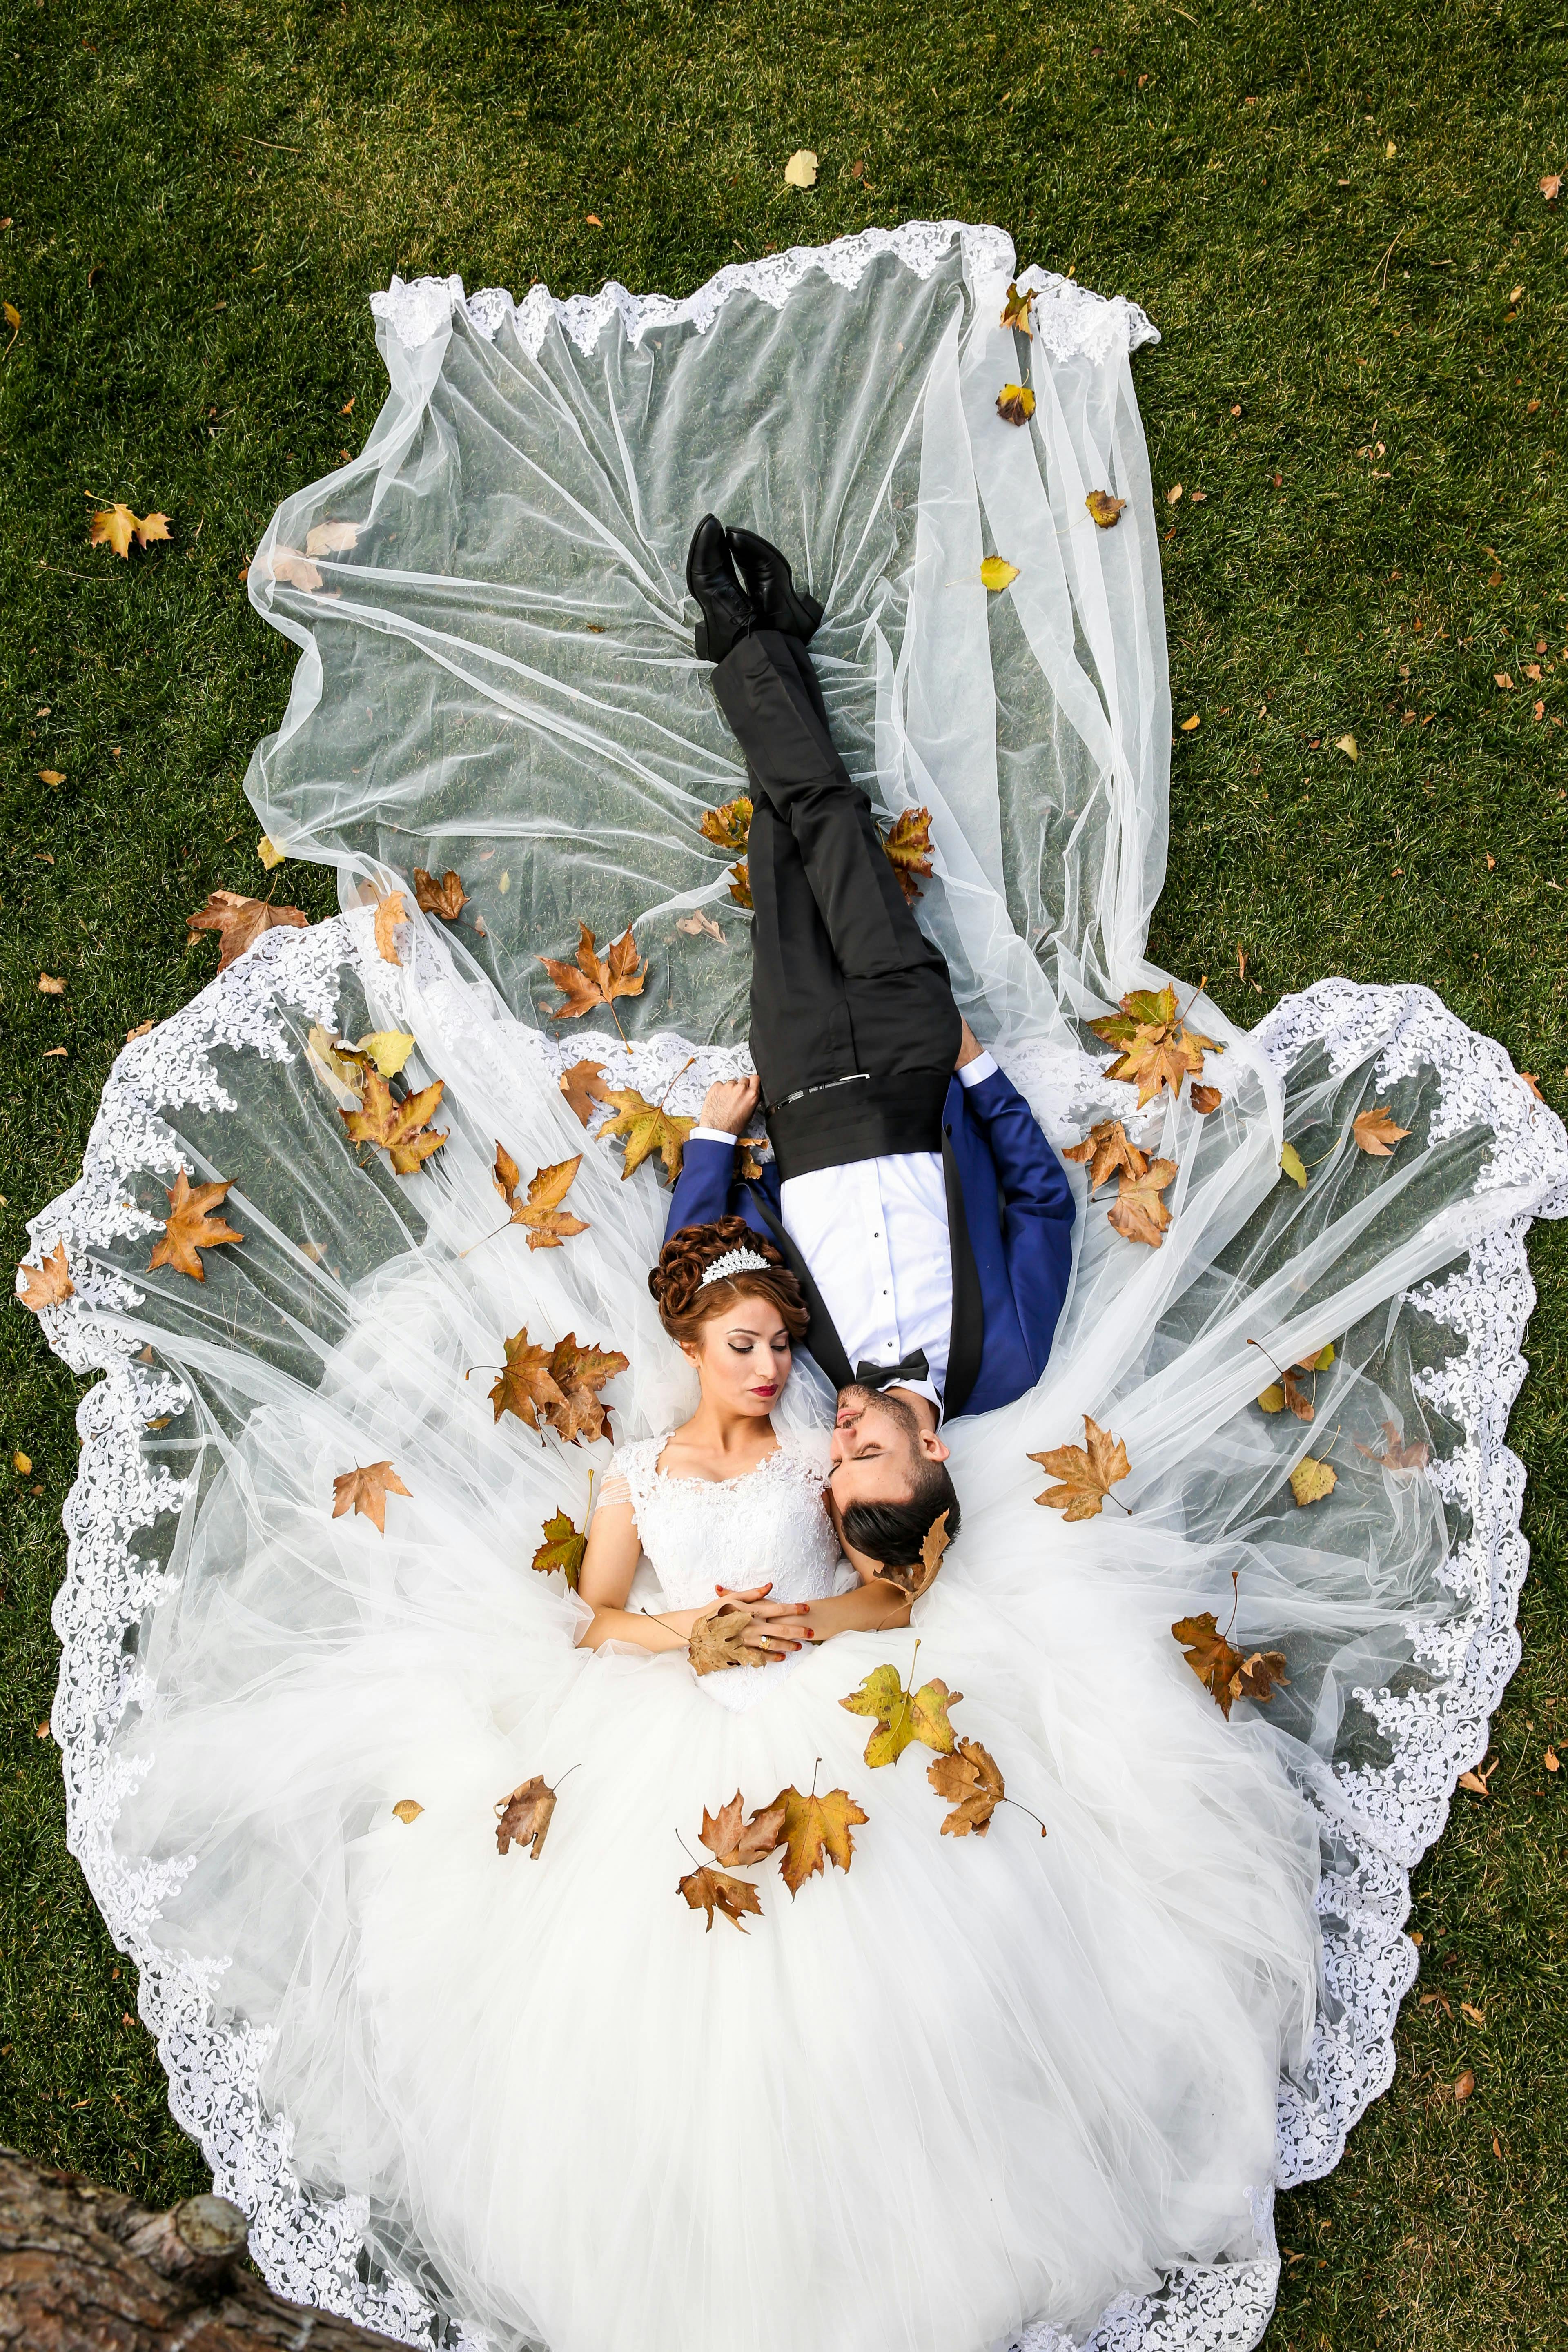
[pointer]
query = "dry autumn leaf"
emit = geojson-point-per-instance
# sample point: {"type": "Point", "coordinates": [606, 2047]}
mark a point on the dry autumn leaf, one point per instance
{"type": "Point", "coordinates": [580, 1085]}
{"type": "Point", "coordinates": [116, 527]}
{"type": "Point", "coordinates": [728, 826]}
{"type": "Point", "coordinates": [296, 570]}
{"type": "Point", "coordinates": [903, 1716]}
{"type": "Point", "coordinates": [1189, 725]}
{"type": "Point", "coordinates": [407, 1810]}
{"type": "Point", "coordinates": [446, 897]}
{"type": "Point", "coordinates": [595, 979]}
{"type": "Point", "coordinates": [736, 1844]}
{"type": "Point", "coordinates": [1551, 186]}
{"type": "Point", "coordinates": [1375, 1132]}
{"type": "Point", "coordinates": [1106, 510]}
{"type": "Point", "coordinates": [1311, 1481]}
{"type": "Point", "coordinates": [51, 776]}
{"type": "Point", "coordinates": [580, 1370]}
{"type": "Point", "coordinates": [741, 883]}
{"type": "Point", "coordinates": [563, 1548]}
{"type": "Point", "coordinates": [1289, 1390]}
{"type": "Point", "coordinates": [363, 1492]}
{"type": "Point", "coordinates": [1106, 1152]}
{"type": "Point", "coordinates": [644, 1127]}
{"type": "Point", "coordinates": [398, 1128]}
{"type": "Point", "coordinates": [800, 171]}
{"type": "Point", "coordinates": [1204, 1098]}
{"type": "Point", "coordinates": [189, 1229]}
{"type": "Point", "coordinates": [524, 1818]}
{"type": "Point", "coordinates": [1014, 404]}
{"type": "Point", "coordinates": [389, 912]}
{"type": "Point", "coordinates": [526, 1383]}
{"type": "Point", "coordinates": [331, 537]}
{"type": "Point", "coordinates": [546, 1223]}
{"type": "Point", "coordinates": [817, 1830]}
{"type": "Point", "coordinates": [49, 986]}
{"type": "Point", "coordinates": [1292, 1165]}
{"type": "Point", "coordinates": [388, 1048]}
{"type": "Point", "coordinates": [1348, 745]}
{"type": "Point", "coordinates": [1087, 1473]}
{"type": "Point", "coordinates": [1157, 1049]}
{"type": "Point", "coordinates": [269, 853]}
{"type": "Point", "coordinates": [1465, 2085]}
{"type": "Point", "coordinates": [1475, 1781]}
{"type": "Point", "coordinates": [699, 926]}
{"type": "Point", "coordinates": [919, 1578]}
{"type": "Point", "coordinates": [239, 920]}
{"type": "Point", "coordinates": [908, 843]}
{"type": "Point", "coordinates": [1138, 1212]}
{"type": "Point", "coordinates": [970, 1784]}
{"type": "Point", "coordinates": [1016, 310]}
{"type": "Point", "coordinates": [22, 1464]}
{"type": "Point", "coordinates": [996, 574]}
{"type": "Point", "coordinates": [47, 1285]}
{"type": "Point", "coordinates": [1395, 1455]}
{"type": "Point", "coordinates": [1222, 1670]}
{"type": "Point", "coordinates": [719, 1639]}
{"type": "Point", "coordinates": [710, 1890]}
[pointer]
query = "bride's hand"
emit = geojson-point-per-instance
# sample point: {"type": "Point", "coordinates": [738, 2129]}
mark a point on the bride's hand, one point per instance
{"type": "Point", "coordinates": [779, 1620]}
{"type": "Point", "coordinates": [760, 1634]}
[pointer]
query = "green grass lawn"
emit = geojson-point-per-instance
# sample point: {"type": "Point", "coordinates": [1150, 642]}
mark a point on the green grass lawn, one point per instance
{"type": "Point", "coordinates": [1335, 217]}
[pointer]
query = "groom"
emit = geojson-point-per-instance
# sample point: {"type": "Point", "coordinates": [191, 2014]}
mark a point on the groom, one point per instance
{"type": "Point", "coordinates": [912, 1193]}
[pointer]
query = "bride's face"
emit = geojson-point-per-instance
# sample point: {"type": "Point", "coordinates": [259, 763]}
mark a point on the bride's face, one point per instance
{"type": "Point", "coordinates": [742, 1355]}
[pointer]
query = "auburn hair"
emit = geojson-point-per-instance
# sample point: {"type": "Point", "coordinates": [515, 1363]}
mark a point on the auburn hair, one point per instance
{"type": "Point", "coordinates": [685, 1303]}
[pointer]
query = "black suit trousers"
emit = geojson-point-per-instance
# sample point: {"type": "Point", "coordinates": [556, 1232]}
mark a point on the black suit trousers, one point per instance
{"type": "Point", "coordinates": [845, 984]}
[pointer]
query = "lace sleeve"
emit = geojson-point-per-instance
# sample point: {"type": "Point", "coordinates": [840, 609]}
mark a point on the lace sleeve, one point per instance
{"type": "Point", "coordinates": [614, 1489]}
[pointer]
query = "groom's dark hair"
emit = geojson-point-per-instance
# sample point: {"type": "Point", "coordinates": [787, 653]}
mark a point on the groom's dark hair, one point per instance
{"type": "Point", "coordinates": [894, 1532]}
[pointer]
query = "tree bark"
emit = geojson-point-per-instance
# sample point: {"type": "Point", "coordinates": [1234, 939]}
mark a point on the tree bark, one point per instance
{"type": "Point", "coordinates": [83, 2269]}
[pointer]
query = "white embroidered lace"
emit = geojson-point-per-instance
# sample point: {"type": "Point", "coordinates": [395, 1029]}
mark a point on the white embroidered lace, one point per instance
{"type": "Point", "coordinates": [1377, 1818]}
{"type": "Point", "coordinates": [1069, 318]}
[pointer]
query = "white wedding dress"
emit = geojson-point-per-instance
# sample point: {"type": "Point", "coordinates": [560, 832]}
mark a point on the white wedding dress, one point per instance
{"type": "Point", "coordinates": [970, 2092]}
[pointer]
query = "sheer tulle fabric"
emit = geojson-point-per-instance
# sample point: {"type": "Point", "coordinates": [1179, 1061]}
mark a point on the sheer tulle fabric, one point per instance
{"type": "Point", "coordinates": [996, 2087]}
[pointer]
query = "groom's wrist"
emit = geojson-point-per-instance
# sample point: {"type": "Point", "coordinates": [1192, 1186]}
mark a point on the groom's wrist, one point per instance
{"type": "Point", "coordinates": [974, 1074]}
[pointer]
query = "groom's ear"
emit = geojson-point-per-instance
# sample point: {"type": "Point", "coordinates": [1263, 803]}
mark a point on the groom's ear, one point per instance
{"type": "Point", "coordinates": [931, 1447]}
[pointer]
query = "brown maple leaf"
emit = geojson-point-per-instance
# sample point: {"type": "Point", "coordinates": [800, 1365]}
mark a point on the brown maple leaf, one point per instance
{"type": "Point", "coordinates": [1138, 1212]}
{"type": "Point", "coordinates": [1087, 1473]}
{"type": "Point", "coordinates": [237, 920]}
{"type": "Point", "coordinates": [710, 1890]}
{"type": "Point", "coordinates": [547, 1223]}
{"type": "Point", "coordinates": [1222, 1670]}
{"type": "Point", "coordinates": [1157, 1049]}
{"type": "Point", "coordinates": [1016, 310]}
{"type": "Point", "coordinates": [189, 1229]}
{"type": "Point", "coordinates": [562, 1547]}
{"type": "Point", "coordinates": [1014, 404]}
{"type": "Point", "coordinates": [116, 527]}
{"type": "Point", "coordinates": [524, 1818]}
{"type": "Point", "coordinates": [398, 1128]}
{"type": "Point", "coordinates": [580, 1371]}
{"type": "Point", "coordinates": [644, 1127]}
{"type": "Point", "coordinates": [446, 897]}
{"type": "Point", "coordinates": [741, 882]}
{"type": "Point", "coordinates": [814, 1828]}
{"type": "Point", "coordinates": [47, 1285]}
{"type": "Point", "coordinates": [922, 1576]}
{"type": "Point", "coordinates": [903, 1716]}
{"type": "Point", "coordinates": [364, 1492]}
{"type": "Point", "coordinates": [1204, 1098]}
{"type": "Point", "coordinates": [389, 912]}
{"type": "Point", "coordinates": [581, 1087]}
{"type": "Point", "coordinates": [719, 1639]}
{"type": "Point", "coordinates": [527, 1382]}
{"type": "Point", "coordinates": [970, 1784]}
{"type": "Point", "coordinates": [1395, 1455]}
{"type": "Point", "coordinates": [908, 843]}
{"type": "Point", "coordinates": [295, 569]}
{"type": "Point", "coordinates": [728, 826]}
{"type": "Point", "coordinates": [1375, 1132]}
{"type": "Point", "coordinates": [736, 1843]}
{"type": "Point", "coordinates": [1106, 1151]}
{"type": "Point", "coordinates": [1105, 509]}
{"type": "Point", "coordinates": [595, 979]}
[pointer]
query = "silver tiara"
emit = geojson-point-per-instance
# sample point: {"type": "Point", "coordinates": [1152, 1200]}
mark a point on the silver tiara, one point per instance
{"type": "Point", "coordinates": [736, 1261]}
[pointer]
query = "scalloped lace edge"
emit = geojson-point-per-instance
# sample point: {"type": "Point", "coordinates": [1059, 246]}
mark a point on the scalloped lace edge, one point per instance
{"type": "Point", "coordinates": [312, 2248]}
{"type": "Point", "coordinates": [1070, 319]}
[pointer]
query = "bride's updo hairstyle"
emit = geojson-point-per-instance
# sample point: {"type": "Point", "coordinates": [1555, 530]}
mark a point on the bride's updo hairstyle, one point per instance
{"type": "Point", "coordinates": [686, 1302]}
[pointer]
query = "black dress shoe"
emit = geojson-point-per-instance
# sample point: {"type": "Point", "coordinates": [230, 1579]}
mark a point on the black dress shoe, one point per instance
{"type": "Point", "coordinates": [727, 614]}
{"type": "Point", "coordinates": [776, 601]}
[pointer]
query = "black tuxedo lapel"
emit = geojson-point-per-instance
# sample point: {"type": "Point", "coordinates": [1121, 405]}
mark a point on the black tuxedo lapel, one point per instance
{"type": "Point", "coordinates": [968, 1340]}
{"type": "Point", "coordinates": [822, 1333]}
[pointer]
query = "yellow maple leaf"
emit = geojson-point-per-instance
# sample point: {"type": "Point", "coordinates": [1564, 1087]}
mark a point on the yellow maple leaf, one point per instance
{"type": "Point", "coordinates": [816, 1831]}
{"type": "Point", "coordinates": [116, 527]}
{"type": "Point", "coordinates": [646, 1128]}
{"type": "Point", "coordinates": [1087, 1473]}
{"type": "Point", "coordinates": [996, 574]}
{"type": "Point", "coordinates": [903, 1716]}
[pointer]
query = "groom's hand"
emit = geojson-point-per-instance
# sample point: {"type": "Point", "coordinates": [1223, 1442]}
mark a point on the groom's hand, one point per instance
{"type": "Point", "coordinates": [727, 1105]}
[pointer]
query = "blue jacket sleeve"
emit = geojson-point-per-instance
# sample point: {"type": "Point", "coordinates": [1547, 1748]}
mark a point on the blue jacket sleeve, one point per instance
{"type": "Point", "coordinates": [1038, 1208]}
{"type": "Point", "coordinates": [703, 1187]}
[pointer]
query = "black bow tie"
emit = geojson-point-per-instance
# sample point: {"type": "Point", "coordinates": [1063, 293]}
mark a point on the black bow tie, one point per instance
{"type": "Point", "coordinates": [888, 1376]}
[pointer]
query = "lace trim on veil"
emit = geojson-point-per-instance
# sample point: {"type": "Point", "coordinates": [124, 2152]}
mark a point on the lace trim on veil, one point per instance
{"type": "Point", "coordinates": [1069, 318]}
{"type": "Point", "coordinates": [1376, 1820]}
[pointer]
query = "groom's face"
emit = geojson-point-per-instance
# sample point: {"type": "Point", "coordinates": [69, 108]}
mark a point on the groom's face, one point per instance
{"type": "Point", "coordinates": [876, 1449]}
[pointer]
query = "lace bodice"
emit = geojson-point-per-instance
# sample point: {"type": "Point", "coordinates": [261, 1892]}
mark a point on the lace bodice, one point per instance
{"type": "Point", "coordinates": [768, 1526]}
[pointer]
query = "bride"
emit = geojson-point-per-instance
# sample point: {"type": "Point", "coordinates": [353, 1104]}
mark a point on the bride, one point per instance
{"type": "Point", "coordinates": [473, 1727]}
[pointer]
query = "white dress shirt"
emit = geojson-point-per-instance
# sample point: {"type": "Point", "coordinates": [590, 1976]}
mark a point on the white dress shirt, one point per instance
{"type": "Point", "coordinates": [874, 1236]}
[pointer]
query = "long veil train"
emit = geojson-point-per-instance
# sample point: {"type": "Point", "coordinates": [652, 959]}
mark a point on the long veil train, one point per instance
{"type": "Point", "coordinates": [495, 676]}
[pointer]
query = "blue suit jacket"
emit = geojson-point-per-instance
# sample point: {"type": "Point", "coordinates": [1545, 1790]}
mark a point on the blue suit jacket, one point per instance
{"type": "Point", "coordinates": [1018, 1202]}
